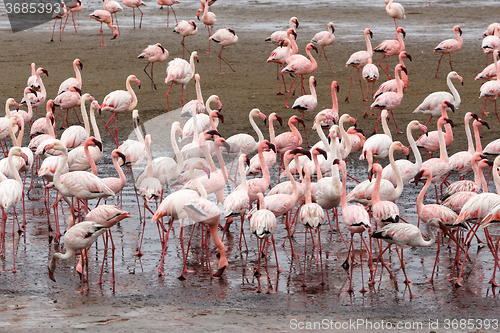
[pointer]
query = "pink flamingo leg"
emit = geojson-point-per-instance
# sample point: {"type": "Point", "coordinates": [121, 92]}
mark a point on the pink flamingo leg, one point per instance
{"type": "Point", "coordinates": [439, 62]}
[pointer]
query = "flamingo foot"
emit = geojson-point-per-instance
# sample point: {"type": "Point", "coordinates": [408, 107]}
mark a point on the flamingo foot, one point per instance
{"type": "Point", "coordinates": [458, 283]}
{"type": "Point", "coordinates": [139, 254]}
{"type": "Point", "coordinates": [407, 282]}
{"type": "Point", "coordinates": [220, 271]}
{"type": "Point", "coordinates": [363, 290]}
{"type": "Point", "coordinates": [493, 283]}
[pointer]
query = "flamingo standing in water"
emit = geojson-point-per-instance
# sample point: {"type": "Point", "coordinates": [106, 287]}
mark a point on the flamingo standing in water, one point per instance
{"type": "Point", "coordinates": [104, 16]}
{"type": "Point", "coordinates": [279, 37]}
{"type": "Point", "coordinates": [391, 48]}
{"type": "Point", "coordinates": [332, 115]}
{"type": "Point", "coordinates": [392, 85]}
{"type": "Point", "coordinates": [113, 7]}
{"type": "Point", "coordinates": [432, 103]}
{"type": "Point", "coordinates": [120, 101]}
{"type": "Point", "coordinates": [224, 37]}
{"type": "Point", "coordinates": [491, 89]}
{"type": "Point", "coordinates": [325, 38]}
{"type": "Point", "coordinates": [255, 166]}
{"type": "Point", "coordinates": [135, 4]}
{"type": "Point", "coordinates": [209, 19]}
{"type": "Point", "coordinates": [289, 140]}
{"type": "Point", "coordinates": [68, 100]}
{"type": "Point", "coordinates": [185, 29]}
{"type": "Point", "coordinates": [153, 53]}
{"type": "Point", "coordinates": [169, 4]}
{"type": "Point", "coordinates": [307, 103]}
{"type": "Point", "coordinates": [39, 98]}
{"type": "Point", "coordinates": [370, 74]}
{"type": "Point", "coordinates": [449, 46]}
{"type": "Point", "coordinates": [391, 100]}
{"type": "Point", "coordinates": [179, 71]}
{"type": "Point", "coordinates": [358, 59]}
{"type": "Point", "coordinates": [396, 11]}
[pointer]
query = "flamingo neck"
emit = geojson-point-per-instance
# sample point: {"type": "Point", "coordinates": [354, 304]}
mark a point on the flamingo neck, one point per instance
{"type": "Point", "coordinates": [95, 128]}
{"type": "Point", "coordinates": [335, 102]}
{"type": "Point", "coordinates": [414, 149]}
{"type": "Point", "coordinates": [470, 144]}
{"type": "Point", "coordinates": [457, 100]}
{"type": "Point", "coordinates": [241, 169]}
{"type": "Point", "coordinates": [481, 176]}
{"type": "Point", "coordinates": [149, 168]}
{"type": "Point", "coordinates": [197, 183]}
{"type": "Point", "coordinates": [199, 97]}
{"type": "Point", "coordinates": [432, 236]}
{"type": "Point", "coordinates": [477, 178]}
{"type": "Point", "coordinates": [13, 169]}
{"type": "Point", "coordinates": [49, 125]}
{"type": "Point", "coordinates": [399, 83]}
{"type": "Point", "coordinates": [376, 188]}
{"type": "Point", "coordinates": [43, 92]}
{"type": "Point", "coordinates": [319, 175]}
{"type": "Point", "coordinates": [138, 132]}
{"type": "Point", "coordinates": [348, 143]}
{"type": "Point", "coordinates": [89, 157]}
{"type": "Point", "coordinates": [272, 136]}
{"type": "Point", "coordinates": [296, 132]}
{"type": "Point", "coordinates": [295, 194]}
{"type": "Point", "coordinates": [60, 165]}
{"type": "Point", "coordinates": [496, 177]}
{"type": "Point", "coordinates": [28, 105]}
{"type": "Point", "coordinates": [343, 195]}
{"type": "Point", "coordinates": [399, 180]}
{"type": "Point", "coordinates": [420, 198]}
{"type": "Point", "coordinates": [443, 153]}
{"type": "Point", "coordinates": [195, 121]}
{"type": "Point", "coordinates": [477, 137]}
{"type": "Point", "coordinates": [255, 127]}
{"type": "Point", "coordinates": [307, 183]}
{"type": "Point", "coordinates": [191, 60]}
{"type": "Point", "coordinates": [20, 133]}
{"type": "Point", "coordinates": [404, 77]}
{"type": "Point", "coordinates": [401, 43]}
{"type": "Point", "coordinates": [221, 162]}
{"type": "Point", "coordinates": [121, 174]}
{"type": "Point", "coordinates": [77, 74]}
{"type": "Point", "coordinates": [312, 89]}
{"type": "Point", "coordinates": [322, 136]}
{"type": "Point", "coordinates": [132, 93]}
{"type": "Point", "coordinates": [85, 116]}
{"type": "Point", "coordinates": [203, 146]}
{"type": "Point", "coordinates": [175, 147]}
{"type": "Point", "coordinates": [369, 45]}
{"type": "Point", "coordinates": [314, 64]}
{"type": "Point", "coordinates": [7, 109]}
{"type": "Point", "coordinates": [385, 127]}
{"type": "Point", "coordinates": [265, 171]}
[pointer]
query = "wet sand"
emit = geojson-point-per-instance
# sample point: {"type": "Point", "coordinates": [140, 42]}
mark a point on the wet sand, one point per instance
{"type": "Point", "coordinates": [141, 300]}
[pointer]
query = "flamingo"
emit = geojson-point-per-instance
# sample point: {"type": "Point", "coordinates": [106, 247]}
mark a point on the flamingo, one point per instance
{"type": "Point", "coordinates": [134, 150]}
{"type": "Point", "coordinates": [280, 54]}
{"type": "Point", "coordinates": [491, 89]}
{"type": "Point", "coordinates": [307, 103]}
{"type": "Point", "coordinates": [449, 46]}
{"type": "Point", "coordinates": [260, 185]}
{"type": "Point", "coordinates": [370, 74]}
{"type": "Point", "coordinates": [488, 73]}
{"type": "Point", "coordinates": [332, 113]}
{"type": "Point", "coordinates": [224, 37]}
{"type": "Point", "coordinates": [113, 7]}
{"type": "Point", "coordinates": [246, 143]}
{"type": "Point", "coordinates": [358, 59]}
{"type": "Point", "coordinates": [325, 38]}
{"type": "Point", "coordinates": [289, 140]}
{"type": "Point", "coordinates": [116, 184]}
{"type": "Point", "coordinates": [356, 220]}
{"type": "Point", "coordinates": [262, 225]}
{"type": "Point", "coordinates": [383, 211]}
{"type": "Point", "coordinates": [11, 191]}
{"type": "Point", "coordinates": [104, 16]}
{"type": "Point", "coordinates": [432, 103]}
{"type": "Point", "coordinates": [74, 7]}
{"type": "Point", "coordinates": [396, 11]}
{"type": "Point", "coordinates": [430, 141]}
{"type": "Point", "coordinates": [72, 81]}
{"type": "Point", "coordinates": [169, 4]}
{"type": "Point", "coordinates": [404, 234]}
{"type": "Point", "coordinates": [59, 15]}
{"type": "Point", "coordinates": [203, 122]}
{"type": "Point", "coordinates": [255, 166]}
{"type": "Point", "coordinates": [150, 187]}
{"type": "Point", "coordinates": [185, 29]}
{"type": "Point", "coordinates": [172, 206]}
{"type": "Point", "coordinates": [209, 19]}
{"type": "Point", "coordinates": [392, 85]}
{"type": "Point", "coordinates": [5, 122]}
{"type": "Point", "coordinates": [279, 36]}
{"type": "Point", "coordinates": [153, 53]}
{"type": "Point", "coordinates": [78, 237]}
{"type": "Point", "coordinates": [39, 98]}
{"type": "Point", "coordinates": [492, 42]}
{"type": "Point", "coordinates": [300, 65]}
{"type": "Point", "coordinates": [120, 101]}
{"type": "Point", "coordinates": [378, 144]}
{"type": "Point", "coordinates": [391, 48]}
{"type": "Point", "coordinates": [68, 100]}
{"type": "Point", "coordinates": [312, 217]}
{"type": "Point", "coordinates": [179, 71]}
{"type": "Point", "coordinates": [407, 169]}
{"type": "Point", "coordinates": [33, 79]}
{"type": "Point", "coordinates": [27, 116]}
{"type": "Point", "coordinates": [391, 100]}
{"type": "Point", "coordinates": [37, 140]}
{"type": "Point", "coordinates": [135, 4]}
{"type": "Point", "coordinates": [76, 135]}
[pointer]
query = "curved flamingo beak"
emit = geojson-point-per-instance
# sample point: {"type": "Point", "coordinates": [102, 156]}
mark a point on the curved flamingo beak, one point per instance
{"type": "Point", "coordinates": [322, 152]}
{"type": "Point", "coordinates": [221, 117]}
{"type": "Point", "coordinates": [80, 64]}
{"type": "Point", "coordinates": [485, 124]}
{"type": "Point", "coordinates": [207, 170]}
{"type": "Point", "coordinates": [122, 156]}
{"type": "Point", "coordinates": [408, 56]}
{"type": "Point", "coordinates": [219, 105]}
{"type": "Point", "coordinates": [280, 120]}
{"type": "Point", "coordinates": [138, 83]}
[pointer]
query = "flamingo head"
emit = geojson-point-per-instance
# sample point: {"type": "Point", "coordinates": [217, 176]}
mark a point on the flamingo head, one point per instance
{"type": "Point", "coordinates": [318, 151]}
{"type": "Point", "coordinates": [271, 146]}
{"type": "Point", "coordinates": [403, 68]}
{"type": "Point", "coordinates": [407, 55]}
{"type": "Point", "coordinates": [28, 90]}
{"type": "Point", "coordinates": [16, 105]}
{"type": "Point", "coordinates": [97, 143]}
{"type": "Point", "coordinates": [457, 28]}
{"type": "Point", "coordinates": [221, 142]}
{"type": "Point", "coordinates": [263, 117]}
{"type": "Point", "coordinates": [96, 105]}
{"type": "Point", "coordinates": [212, 133]}
{"type": "Point", "coordinates": [312, 46]}
{"type": "Point", "coordinates": [292, 32]}
{"type": "Point", "coordinates": [44, 71]}
{"type": "Point", "coordinates": [295, 21]}
{"type": "Point", "coordinates": [220, 116]}
{"type": "Point", "coordinates": [198, 14]}
{"type": "Point", "coordinates": [116, 153]}
{"type": "Point", "coordinates": [448, 104]}
{"type": "Point", "coordinates": [473, 115]}
{"type": "Point", "coordinates": [298, 120]}
{"type": "Point", "coordinates": [79, 63]}
{"type": "Point", "coordinates": [279, 119]}
{"type": "Point", "coordinates": [368, 31]}
{"type": "Point", "coordinates": [193, 23]}
{"type": "Point", "coordinates": [401, 31]}
{"type": "Point", "coordinates": [302, 151]}
{"type": "Point", "coordinates": [449, 121]}
{"type": "Point", "coordinates": [138, 82]}
{"type": "Point", "coordinates": [484, 123]}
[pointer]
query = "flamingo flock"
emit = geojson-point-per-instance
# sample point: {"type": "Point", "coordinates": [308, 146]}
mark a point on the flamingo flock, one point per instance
{"type": "Point", "coordinates": [189, 190]}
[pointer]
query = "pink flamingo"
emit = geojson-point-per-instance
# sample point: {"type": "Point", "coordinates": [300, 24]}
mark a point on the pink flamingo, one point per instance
{"type": "Point", "coordinates": [300, 65]}
{"type": "Point", "coordinates": [116, 184]}
{"type": "Point", "coordinates": [396, 11]}
{"type": "Point", "coordinates": [75, 6]}
{"type": "Point", "coordinates": [37, 140]}
{"type": "Point", "coordinates": [169, 4]}
{"type": "Point", "coordinates": [449, 46]}
{"type": "Point", "coordinates": [356, 220]}
{"type": "Point", "coordinates": [289, 140]}
{"type": "Point", "coordinates": [370, 74]}
{"type": "Point", "coordinates": [76, 135]}
{"type": "Point", "coordinates": [11, 192]}
{"type": "Point", "coordinates": [280, 36]}
{"type": "Point", "coordinates": [5, 122]}
{"type": "Point", "coordinates": [153, 53]}
{"type": "Point", "coordinates": [391, 85]}
{"type": "Point", "coordinates": [404, 234]}
{"type": "Point", "coordinates": [325, 38]}
{"type": "Point", "coordinates": [224, 37]}
{"type": "Point", "coordinates": [113, 7]}
{"type": "Point", "coordinates": [391, 100]}
{"type": "Point", "coordinates": [39, 98]}
{"type": "Point", "coordinates": [280, 54]}
{"type": "Point", "coordinates": [135, 4]}
{"type": "Point", "coordinates": [430, 141]}
{"type": "Point", "coordinates": [491, 89]}
{"type": "Point", "coordinates": [104, 16]}
{"type": "Point", "coordinates": [262, 225]}
{"type": "Point", "coordinates": [107, 216]}
{"type": "Point", "coordinates": [179, 71]}
{"type": "Point", "coordinates": [358, 59]}
{"type": "Point", "coordinates": [333, 113]}
{"type": "Point", "coordinates": [432, 103]}
{"type": "Point", "coordinates": [312, 217]}
{"type": "Point", "coordinates": [378, 144]}
{"type": "Point", "coordinates": [27, 115]}
{"type": "Point", "coordinates": [307, 103]}
{"type": "Point", "coordinates": [488, 73]}
{"type": "Point", "coordinates": [59, 15]}
{"type": "Point", "coordinates": [150, 187]}
{"type": "Point", "coordinates": [79, 237]}
{"type": "Point", "coordinates": [72, 81]}
{"type": "Point", "coordinates": [195, 105]}
{"type": "Point", "coordinates": [256, 166]}
{"type": "Point", "coordinates": [209, 19]}
{"type": "Point", "coordinates": [185, 29]}
{"type": "Point", "coordinates": [120, 101]}
{"type": "Point", "coordinates": [491, 42]}
{"type": "Point", "coordinates": [68, 100]}
{"type": "Point", "coordinates": [260, 185]}
{"type": "Point", "coordinates": [391, 48]}
{"type": "Point", "coordinates": [33, 79]}
{"type": "Point", "coordinates": [383, 211]}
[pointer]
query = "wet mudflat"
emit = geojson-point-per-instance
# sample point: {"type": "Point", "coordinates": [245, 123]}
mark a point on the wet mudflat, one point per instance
{"type": "Point", "coordinates": [141, 298]}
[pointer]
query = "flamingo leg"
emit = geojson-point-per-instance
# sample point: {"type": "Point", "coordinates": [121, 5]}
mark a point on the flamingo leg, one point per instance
{"type": "Point", "coordinates": [350, 81]}
{"type": "Point", "coordinates": [305, 256]}
{"type": "Point", "coordinates": [115, 139]}
{"type": "Point", "coordinates": [153, 85]}
{"type": "Point", "coordinates": [220, 63]}
{"type": "Point", "coordinates": [288, 96]}
{"type": "Point", "coordinates": [331, 68]}
{"type": "Point", "coordinates": [184, 47]}
{"type": "Point", "coordinates": [168, 104]}
{"type": "Point", "coordinates": [140, 23]}
{"type": "Point", "coordinates": [439, 62]}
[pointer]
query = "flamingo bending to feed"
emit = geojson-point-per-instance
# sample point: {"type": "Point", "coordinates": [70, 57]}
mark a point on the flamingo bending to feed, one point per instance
{"type": "Point", "coordinates": [360, 59]}
{"type": "Point", "coordinates": [153, 53]}
{"type": "Point", "coordinates": [325, 38]}
{"type": "Point", "coordinates": [369, 74]}
{"type": "Point", "coordinates": [449, 46]}
{"type": "Point", "coordinates": [120, 101]}
{"type": "Point", "coordinates": [113, 7]}
{"type": "Point", "coordinates": [135, 4]}
{"type": "Point", "coordinates": [391, 48]}
{"type": "Point", "coordinates": [185, 29]}
{"type": "Point", "coordinates": [280, 36]}
{"type": "Point", "coordinates": [432, 103]}
{"type": "Point", "coordinates": [179, 71]}
{"type": "Point", "coordinates": [104, 16]}
{"type": "Point", "coordinates": [169, 4]}
{"type": "Point", "coordinates": [224, 37]}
